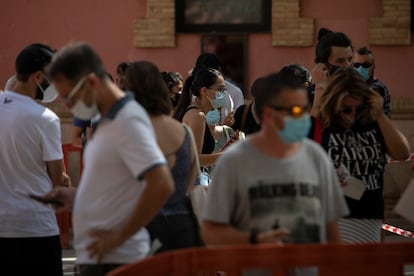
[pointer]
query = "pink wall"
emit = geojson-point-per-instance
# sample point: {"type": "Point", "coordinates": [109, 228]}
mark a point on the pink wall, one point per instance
{"type": "Point", "coordinates": [108, 26]}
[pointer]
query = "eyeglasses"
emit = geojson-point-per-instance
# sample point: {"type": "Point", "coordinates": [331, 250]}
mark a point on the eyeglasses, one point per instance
{"type": "Point", "coordinates": [74, 90]}
{"type": "Point", "coordinates": [295, 111]}
{"type": "Point", "coordinates": [221, 89]}
{"type": "Point", "coordinates": [358, 109]}
{"type": "Point", "coordinates": [365, 64]}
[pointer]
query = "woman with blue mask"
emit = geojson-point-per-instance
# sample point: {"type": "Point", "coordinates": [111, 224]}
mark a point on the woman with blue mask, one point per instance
{"type": "Point", "coordinates": [203, 94]}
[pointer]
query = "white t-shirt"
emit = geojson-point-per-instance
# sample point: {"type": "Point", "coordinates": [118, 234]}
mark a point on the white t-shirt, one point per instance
{"type": "Point", "coordinates": [234, 100]}
{"type": "Point", "coordinates": [29, 136]}
{"type": "Point", "coordinates": [121, 150]}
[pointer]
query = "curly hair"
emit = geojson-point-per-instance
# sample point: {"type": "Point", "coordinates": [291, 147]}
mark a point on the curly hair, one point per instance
{"type": "Point", "coordinates": [171, 79]}
{"type": "Point", "coordinates": [345, 82]}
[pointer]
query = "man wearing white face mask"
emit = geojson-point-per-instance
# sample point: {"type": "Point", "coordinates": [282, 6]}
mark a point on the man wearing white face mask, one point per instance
{"type": "Point", "coordinates": [31, 162]}
{"type": "Point", "coordinates": [276, 186]}
{"type": "Point", "coordinates": [125, 181]}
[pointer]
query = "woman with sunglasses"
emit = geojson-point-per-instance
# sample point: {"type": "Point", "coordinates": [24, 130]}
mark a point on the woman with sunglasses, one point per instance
{"type": "Point", "coordinates": [357, 136]}
{"type": "Point", "coordinates": [174, 82]}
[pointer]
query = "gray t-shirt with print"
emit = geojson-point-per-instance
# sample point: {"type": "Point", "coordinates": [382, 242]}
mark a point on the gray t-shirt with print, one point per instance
{"type": "Point", "coordinates": [251, 190]}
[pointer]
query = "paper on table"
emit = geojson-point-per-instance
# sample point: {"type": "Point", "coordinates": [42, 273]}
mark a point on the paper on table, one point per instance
{"type": "Point", "coordinates": [405, 206]}
{"type": "Point", "coordinates": [354, 188]}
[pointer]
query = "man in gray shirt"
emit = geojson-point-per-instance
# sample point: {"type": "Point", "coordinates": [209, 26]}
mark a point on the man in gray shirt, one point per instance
{"type": "Point", "coordinates": [276, 186]}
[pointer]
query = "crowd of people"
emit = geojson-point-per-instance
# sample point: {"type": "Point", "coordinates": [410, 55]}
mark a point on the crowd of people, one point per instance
{"type": "Point", "coordinates": [173, 162]}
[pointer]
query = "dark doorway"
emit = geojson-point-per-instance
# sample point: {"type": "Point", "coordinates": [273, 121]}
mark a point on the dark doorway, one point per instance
{"type": "Point", "coordinates": [231, 49]}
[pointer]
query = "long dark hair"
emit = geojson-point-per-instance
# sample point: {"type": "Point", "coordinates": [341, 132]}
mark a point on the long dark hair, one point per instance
{"type": "Point", "coordinates": [145, 80]}
{"type": "Point", "coordinates": [205, 77]}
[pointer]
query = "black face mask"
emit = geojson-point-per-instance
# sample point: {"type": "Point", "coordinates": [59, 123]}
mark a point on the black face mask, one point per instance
{"type": "Point", "coordinates": [39, 93]}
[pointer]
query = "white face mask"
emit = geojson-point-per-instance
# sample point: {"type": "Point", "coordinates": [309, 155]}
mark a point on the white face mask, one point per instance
{"type": "Point", "coordinates": [84, 112]}
{"type": "Point", "coordinates": [80, 109]}
{"type": "Point", "coordinates": [50, 94]}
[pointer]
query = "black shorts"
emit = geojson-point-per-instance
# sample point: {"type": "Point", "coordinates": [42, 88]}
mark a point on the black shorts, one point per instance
{"type": "Point", "coordinates": [38, 256]}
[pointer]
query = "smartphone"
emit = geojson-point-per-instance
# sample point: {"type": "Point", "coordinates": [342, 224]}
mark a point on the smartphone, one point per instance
{"type": "Point", "coordinates": [45, 200]}
{"type": "Point", "coordinates": [232, 139]}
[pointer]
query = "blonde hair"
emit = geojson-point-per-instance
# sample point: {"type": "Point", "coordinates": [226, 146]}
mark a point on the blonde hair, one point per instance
{"type": "Point", "coordinates": [345, 82]}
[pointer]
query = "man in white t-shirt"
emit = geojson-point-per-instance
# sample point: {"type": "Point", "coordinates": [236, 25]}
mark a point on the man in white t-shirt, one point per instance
{"type": "Point", "coordinates": [31, 162]}
{"type": "Point", "coordinates": [125, 180]}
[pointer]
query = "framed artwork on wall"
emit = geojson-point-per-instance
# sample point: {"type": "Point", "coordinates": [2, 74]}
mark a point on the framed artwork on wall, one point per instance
{"type": "Point", "coordinates": [194, 16]}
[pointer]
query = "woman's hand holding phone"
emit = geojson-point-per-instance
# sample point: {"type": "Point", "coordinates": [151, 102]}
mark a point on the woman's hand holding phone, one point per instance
{"type": "Point", "coordinates": [232, 139]}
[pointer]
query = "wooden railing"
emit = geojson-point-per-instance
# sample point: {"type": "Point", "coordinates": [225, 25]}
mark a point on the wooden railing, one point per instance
{"type": "Point", "coordinates": [331, 259]}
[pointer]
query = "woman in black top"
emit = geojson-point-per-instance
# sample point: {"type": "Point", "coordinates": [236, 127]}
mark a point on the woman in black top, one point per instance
{"type": "Point", "coordinates": [245, 118]}
{"type": "Point", "coordinates": [207, 88]}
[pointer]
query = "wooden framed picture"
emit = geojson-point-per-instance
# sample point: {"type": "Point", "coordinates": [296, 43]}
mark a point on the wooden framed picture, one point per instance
{"type": "Point", "coordinates": [194, 16]}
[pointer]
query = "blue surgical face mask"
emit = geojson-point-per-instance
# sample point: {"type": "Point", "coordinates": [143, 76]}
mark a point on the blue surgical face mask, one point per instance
{"type": "Point", "coordinates": [212, 117]}
{"type": "Point", "coordinates": [220, 100]}
{"type": "Point", "coordinates": [295, 129]}
{"type": "Point", "coordinates": [364, 72]}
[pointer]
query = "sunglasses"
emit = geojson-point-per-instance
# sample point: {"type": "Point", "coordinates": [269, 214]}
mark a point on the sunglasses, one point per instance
{"type": "Point", "coordinates": [365, 64]}
{"type": "Point", "coordinates": [295, 111]}
{"type": "Point", "coordinates": [348, 110]}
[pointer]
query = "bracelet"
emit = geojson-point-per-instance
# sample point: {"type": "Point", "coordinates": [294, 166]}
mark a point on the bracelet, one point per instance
{"type": "Point", "coordinates": [253, 236]}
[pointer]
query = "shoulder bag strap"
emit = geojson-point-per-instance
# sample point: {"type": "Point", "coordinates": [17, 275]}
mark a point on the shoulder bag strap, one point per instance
{"type": "Point", "coordinates": [195, 165]}
{"type": "Point", "coordinates": [243, 120]}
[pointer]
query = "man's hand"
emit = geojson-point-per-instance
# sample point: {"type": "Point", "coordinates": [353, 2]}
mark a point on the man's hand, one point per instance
{"type": "Point", "coordinates": [66, 195]}
{"type": "Point", "coordinates": [66, 180]}
{"type": "Point", "coordinates": [103, 242]}
{"type": "Point", "coordinates": [272, 236]}
{"type": "Point", "coordinates": [320, 78]}
{"type": "Point", "coordinates": [319, 75]}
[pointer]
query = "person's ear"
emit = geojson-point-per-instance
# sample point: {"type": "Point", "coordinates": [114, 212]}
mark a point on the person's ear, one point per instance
{"type": "Point", "coordinates": [37, 76]}
{"type": "Point", "coordinates": [92, 81]}
{"type": "Point", "coordinates": [203, 91]}
{"type": "Point", "coordinates": [267, 112]}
